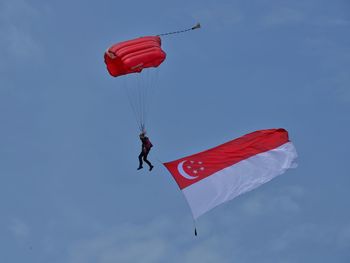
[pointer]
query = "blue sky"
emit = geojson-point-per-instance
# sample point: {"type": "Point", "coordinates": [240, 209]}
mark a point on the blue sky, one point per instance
{"type": "Point", "coordinates": [69, 189]}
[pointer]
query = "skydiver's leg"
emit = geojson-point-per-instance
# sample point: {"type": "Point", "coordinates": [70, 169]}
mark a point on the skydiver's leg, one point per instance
{"type": "Point", "coordinates": [140, 160]}
{"type": "Point", "coordinates": [148, 162]}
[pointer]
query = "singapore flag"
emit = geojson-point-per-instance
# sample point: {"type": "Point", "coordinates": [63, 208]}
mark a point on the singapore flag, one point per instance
{"type": "Point", "coordinates": [212, 177]}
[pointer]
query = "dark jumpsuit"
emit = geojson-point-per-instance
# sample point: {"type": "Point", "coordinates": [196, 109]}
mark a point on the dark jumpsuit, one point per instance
{"type": "Point", "coordinates": [146, 147]}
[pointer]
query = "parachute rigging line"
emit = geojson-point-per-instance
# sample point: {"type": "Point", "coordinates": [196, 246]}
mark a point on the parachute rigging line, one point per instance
{"type": "Point", "coordinates": [198, 25]}
{"type": "Point", "coordinates": [140, 89]}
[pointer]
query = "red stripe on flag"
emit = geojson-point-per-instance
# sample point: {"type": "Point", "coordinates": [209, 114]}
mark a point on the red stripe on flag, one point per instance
{"type": "Point", "coordinates": [193, 168]}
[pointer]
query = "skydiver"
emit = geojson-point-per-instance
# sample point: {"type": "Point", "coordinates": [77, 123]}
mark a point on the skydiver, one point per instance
{"type": "Point", "coordinates": [145, 149]}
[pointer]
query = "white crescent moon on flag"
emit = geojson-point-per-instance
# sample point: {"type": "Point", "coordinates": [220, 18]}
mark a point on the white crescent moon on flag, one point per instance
{"type": "Point", "coordinates": [182, 171]}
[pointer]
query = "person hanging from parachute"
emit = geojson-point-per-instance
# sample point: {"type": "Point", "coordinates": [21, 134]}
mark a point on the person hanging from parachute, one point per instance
{"type": "Point", "coordinates": [145, 149]}
{"type": "Point", "coordinates": [133, 56]}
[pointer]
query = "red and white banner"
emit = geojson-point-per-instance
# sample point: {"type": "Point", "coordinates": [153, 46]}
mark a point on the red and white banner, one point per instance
{"type": "Point", "coordinates": [217, 175]}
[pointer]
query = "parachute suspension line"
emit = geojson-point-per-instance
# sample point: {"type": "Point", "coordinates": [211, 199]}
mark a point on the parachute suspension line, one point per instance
{"type": "Point", "coordinates": [198, 25]}
{"type": "Point", "coordinates": [119, 65]}
{"type": "Point", "coordinates": [149, 90]}
{"type": "Point", "coordinates": [139, 89]}
{"type": "Point", "coordinates": [142, 86]}
{"type": "Point", "coordinates": [129, 95]}
{"type": "Point", "coordinates": [146, 87]}
{"type": "Point", "coordinates": [146, 81]}
{"type": "Point", "coordinates": [132, 94]}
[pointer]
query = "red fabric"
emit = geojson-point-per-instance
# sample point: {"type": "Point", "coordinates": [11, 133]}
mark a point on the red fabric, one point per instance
{"type": "Point", "coordinates": [134, 55]}
{"type": "Point", "coordinates": [146, 143]}
{"type": "Point", "coordinates": [201, 165]}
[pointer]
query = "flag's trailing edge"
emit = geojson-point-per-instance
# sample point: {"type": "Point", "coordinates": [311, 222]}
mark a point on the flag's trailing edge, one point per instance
{"type": "Point", "coordinates": [212, 177]}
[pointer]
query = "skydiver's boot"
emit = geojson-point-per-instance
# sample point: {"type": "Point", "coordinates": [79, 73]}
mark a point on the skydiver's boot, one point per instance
{"type": "Point", "coordinates": [151, 167]}
{"type": "Point", "coordinates": [140, 167]}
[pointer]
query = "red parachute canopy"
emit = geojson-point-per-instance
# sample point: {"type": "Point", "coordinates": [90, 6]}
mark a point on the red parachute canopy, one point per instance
{"type": "Point", "coordinates": [134, 55]}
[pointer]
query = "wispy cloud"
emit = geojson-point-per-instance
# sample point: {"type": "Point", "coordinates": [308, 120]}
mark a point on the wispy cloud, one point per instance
{"type": "Point", "coordinates": [16, 11]}
{"type": "Point", "coordinates": [320, 235]}
{"type": "Point", "coordinates": [219, 16]}
{"type": "Point", "coordinates": [19, 229]}
{"type": "Point", "coordinates": [223, 15]}
{"type": "Point", "coordinates": [21, 44]}
{"type": "Point", "coordinates": [127, 243]}
{"type": "Point", "coordinates": [333, 56]}
{"type": "Point", "coordinates": [342, 85]}
{"type": "Point", "coordinates": [295, 13]}
{"type": "Point", "coordinates": [16, 31]}
{"type": "Point", "coordinates": [283, 16]}
{"type": "Point", "coordinates": [343, 239]}
{"type": "Point", "coordinates": [285, 200]}
{"type": "Point", "coordinates": [333, 22]}
{"type": "Point", "coordinates": [163, 241]}
{"type": "Point", "coordinates": [156, 241]}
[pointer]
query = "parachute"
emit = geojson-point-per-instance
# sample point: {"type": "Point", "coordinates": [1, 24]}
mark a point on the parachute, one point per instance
{"type": "Point", "coordinates": [133, 56]}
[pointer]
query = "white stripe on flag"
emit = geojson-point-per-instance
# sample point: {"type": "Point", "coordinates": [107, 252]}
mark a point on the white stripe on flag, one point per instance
{"type": "Point", "coordinates": [239, 178]}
